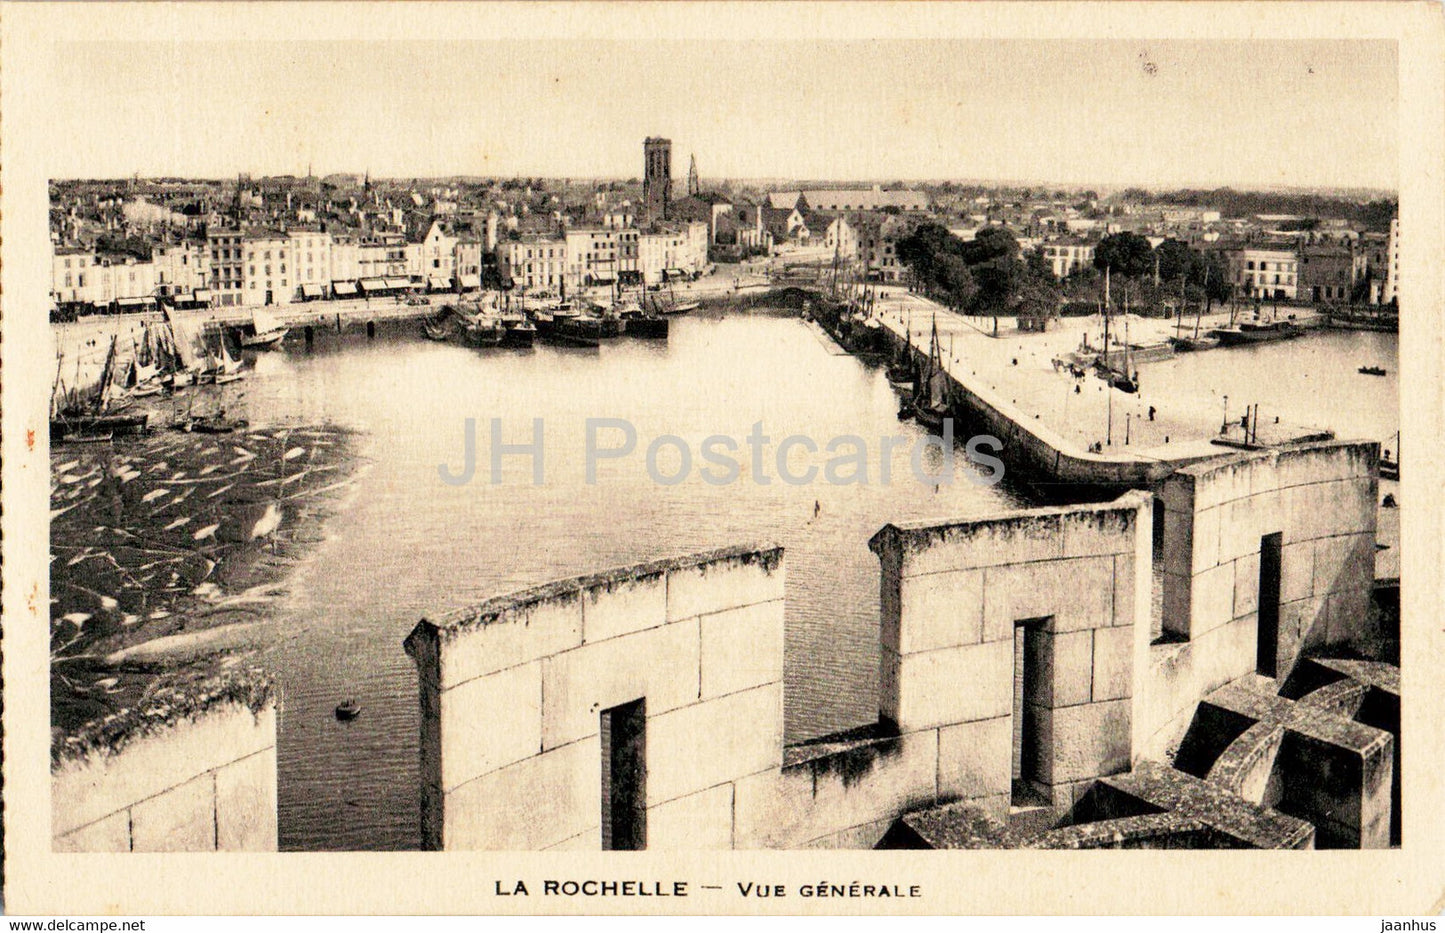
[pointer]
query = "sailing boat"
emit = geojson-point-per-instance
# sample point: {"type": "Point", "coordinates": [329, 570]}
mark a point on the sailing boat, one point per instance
{"type": "Point", "coordinates": [931, 403]}
{"type": "Point", "coordinates": [76, 418]}
{"type": "Point", "coordinates": [182, 350]}
{"type": "Point", "coordinates": [222, 367]}
{"type": "Point", "coordinates": [268, 331]}
{"type": "Point", "coordinates": [144, 370]}
{"type": "Point", "coordinates": [1120, 380]}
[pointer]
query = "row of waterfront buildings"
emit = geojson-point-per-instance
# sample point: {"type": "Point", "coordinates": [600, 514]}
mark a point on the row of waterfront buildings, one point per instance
{"type": "Point", "coordinates": [263, 265]}
{"type": "Point", "coordinates": [287, 239]}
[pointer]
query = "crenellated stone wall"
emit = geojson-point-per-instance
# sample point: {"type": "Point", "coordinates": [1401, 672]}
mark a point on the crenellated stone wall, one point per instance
{"type": "Point", "coordinates": [1021, 625]}
{"type": "Point", "coordinates": [513, 692]}
{"type": "Point", "coordinates": [191, 770]}
{"type": "Point", "coordinates": [1321, 499]}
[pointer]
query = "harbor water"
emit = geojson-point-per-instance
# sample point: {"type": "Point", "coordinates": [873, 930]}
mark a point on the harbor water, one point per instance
{"type": "Point", "coordinates": [411, 545]}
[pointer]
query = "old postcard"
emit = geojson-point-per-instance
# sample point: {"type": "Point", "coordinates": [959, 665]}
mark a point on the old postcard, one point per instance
{"type": "Point", "coordinates": [786, 441]}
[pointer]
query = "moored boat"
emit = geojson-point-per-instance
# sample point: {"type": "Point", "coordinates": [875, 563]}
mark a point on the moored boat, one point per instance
{"type": "Point", "coordinates": [1257, 333]}
{"type": "Point", "coordinates": [267, 331]}
{"type": "Point", "coordinates": [1372, 370]}
{"type": "Point", "coordinates": [520, 332]}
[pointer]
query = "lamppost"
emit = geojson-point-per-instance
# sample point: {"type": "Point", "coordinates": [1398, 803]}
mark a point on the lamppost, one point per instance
{"type": "Point", "coordinates": [1224, 425]}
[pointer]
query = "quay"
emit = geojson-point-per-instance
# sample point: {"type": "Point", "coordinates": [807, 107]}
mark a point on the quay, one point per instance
{"type": "Point", "coordinates": [1008, 386]}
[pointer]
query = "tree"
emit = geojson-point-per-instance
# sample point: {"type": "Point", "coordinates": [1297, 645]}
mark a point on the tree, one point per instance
{"type": "Point", "coordinates": [1175, 259]}
{"type": "Point", "coordinates": [990, 243]}
{"type": "Point", "coordinates": [1127, 254]}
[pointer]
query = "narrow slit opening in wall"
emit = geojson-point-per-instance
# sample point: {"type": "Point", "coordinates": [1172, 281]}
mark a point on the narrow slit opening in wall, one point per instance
{"type": "Point", "coordinates": [623, 731]}
{"type": "Point", "coordinates": [1031, 643]}
{"type": "Point", "coordinates": [1271, 549]}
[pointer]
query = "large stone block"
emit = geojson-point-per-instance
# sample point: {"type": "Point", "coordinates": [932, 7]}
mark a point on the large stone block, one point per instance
{"type": "Point", "coordinates": [937, 688]}
{"type": "Point", "coordinates": [1178, 492]}
{"type": "Point", "coordinates": [1246, 585]}
{"type": "Point", "coordinates": [111, 834]}
{"type": "Point", "coordinates": [1343, 563]}
{"type": "Point", "coordinates": [698, 821]}
{"type": "Point", "coordinates": [712, 742]}
{"type": "Point", "coordinates": [941, 610]}
{"type": "Point", "coordinates": [819, 798]}
{"type": "Point", "coordinates": [890, 606]}
{"type": "Point", "coordinates": [1065, 667]}
{"type": "Point", "coordinates": [1178, 596]}
{"type": "Point", "coordinates": [968, 545]}
{"type": "Point", "coordinates": [1327, 509]}
{"type": "Point", "coordinates": [1087, 741]}
{"type": "Point", "coordinates": [1222, 482]}
{"type": "Point", "coordinates": [623, 606]}
{"type": "Point", "coordinates": [1179, 543]}
{"type": "Point", "coordinates": [1098, 532]}
{"type": "Point", "coordinates": [1113, 659]}
{"type": "Point", "coordinates": [1204, 538]}
{"type": "Point", "coordinates": [490, 722]}
{"type": "Point", "coordinates": [517, 636]}
{"type": "Point", "coordinates": [1323, 462]}
{"type": "Point", "coordinates": [246, 804]}
{"type": "Point", "coordinates": [660, 664]}
{"type": "Point", "coordinates": [742, 648]}
{"type": "Point", "coordinates": [1078, 594]}
{"type": "Point", "coordinates": [182, 819]}
{"type": "Point", "coordinates": [725, 584]}
{"type": "Point", "coordinates": [1349, 620]}
{"type": "Point", "coordinates": [1296, 571]}
{"type": "Point", "coordinates": [1244, 521]}
{"type": "Point", "coordinates": [85, 790]}
{"type": "Point", "coordinates": [1132, 586]}
{"type": "Point", "coordinates": [975, 759]}
{"type": "Point", "coordinates": [1212, 603]}
{"type": "Point", "coordinates": [1305, 622]}
{"type": "Point", "coordinates": [537, 802]}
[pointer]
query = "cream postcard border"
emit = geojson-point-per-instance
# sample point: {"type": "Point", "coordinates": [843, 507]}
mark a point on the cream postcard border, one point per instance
{"type": "Point", "coordinates": [1407, 881]}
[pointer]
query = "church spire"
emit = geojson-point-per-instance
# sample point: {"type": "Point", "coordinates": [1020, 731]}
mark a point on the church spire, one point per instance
{"type": "Point", "coordinates": [693, 187]}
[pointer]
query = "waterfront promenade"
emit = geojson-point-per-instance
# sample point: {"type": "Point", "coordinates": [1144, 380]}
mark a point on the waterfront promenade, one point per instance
{"type": "Point", "coordinates": [1015, 370]}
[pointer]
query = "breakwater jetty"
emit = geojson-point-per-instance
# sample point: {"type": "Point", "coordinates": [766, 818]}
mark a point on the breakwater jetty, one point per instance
{"type": "Point", "coordinates": [1068, 433]}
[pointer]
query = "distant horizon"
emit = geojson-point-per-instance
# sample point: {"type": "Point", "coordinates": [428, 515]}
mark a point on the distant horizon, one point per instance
{"type": "Point", "coordinates": [1165, 114]}
{"type": "Point", "coordinates": [1101, 189]}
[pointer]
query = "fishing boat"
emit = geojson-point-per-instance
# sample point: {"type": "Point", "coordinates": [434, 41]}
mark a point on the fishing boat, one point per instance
{"type": "Point", "coordinates": [1258, 333]}
{"type": "Point", "coordinates": [76, 417]}
{"type": "Point", "coordinates": [221, 366]}
{"type": "Point", "coordinates": [267, 331]}
{"type": "Point", "coordinates": [438, 328]}
{"type": "Point", "coordinates": [930, 404]}
{"type": "Point", "coordinates": [1191, 344]}
{"type": "Point", "coordinates": [520, 332]}
{"type": "Point", "coordinates": [347, 710]}
{"type": "Point", "coordinates": [1116, 378]}
{"type": "Point", "coordinates": [1372, 370]}
{"type": "Point", "coordinates": [482, 330]}
{"type": "Point", "coordinates": [648, 327]}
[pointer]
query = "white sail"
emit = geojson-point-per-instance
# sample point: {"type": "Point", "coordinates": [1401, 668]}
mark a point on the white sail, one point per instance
{"type": "Point", "coordinates": [187, 342]}
{"type": "Point", "coordinates": [264, 321]}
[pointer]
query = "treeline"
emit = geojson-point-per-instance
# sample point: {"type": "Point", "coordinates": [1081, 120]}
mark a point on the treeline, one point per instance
{"type": "Point", "coordinates": [1374, 215]}
{"type": "Point", "coordinates": [990, 275]}
{"type": "Point", "coordinates": [986, 275]}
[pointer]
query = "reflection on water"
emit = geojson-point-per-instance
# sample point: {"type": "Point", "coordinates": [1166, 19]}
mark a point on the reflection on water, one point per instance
{"type": "Point", "coordinates": [412, 545]}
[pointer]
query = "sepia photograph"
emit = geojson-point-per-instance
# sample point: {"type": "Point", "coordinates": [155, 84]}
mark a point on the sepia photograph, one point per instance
{"type": "Point", "coordinates": [674, 443]}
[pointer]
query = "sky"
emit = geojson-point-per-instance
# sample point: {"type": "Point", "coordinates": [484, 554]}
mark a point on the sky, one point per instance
{"type": "Point", "coordinates": [1163, 113]}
